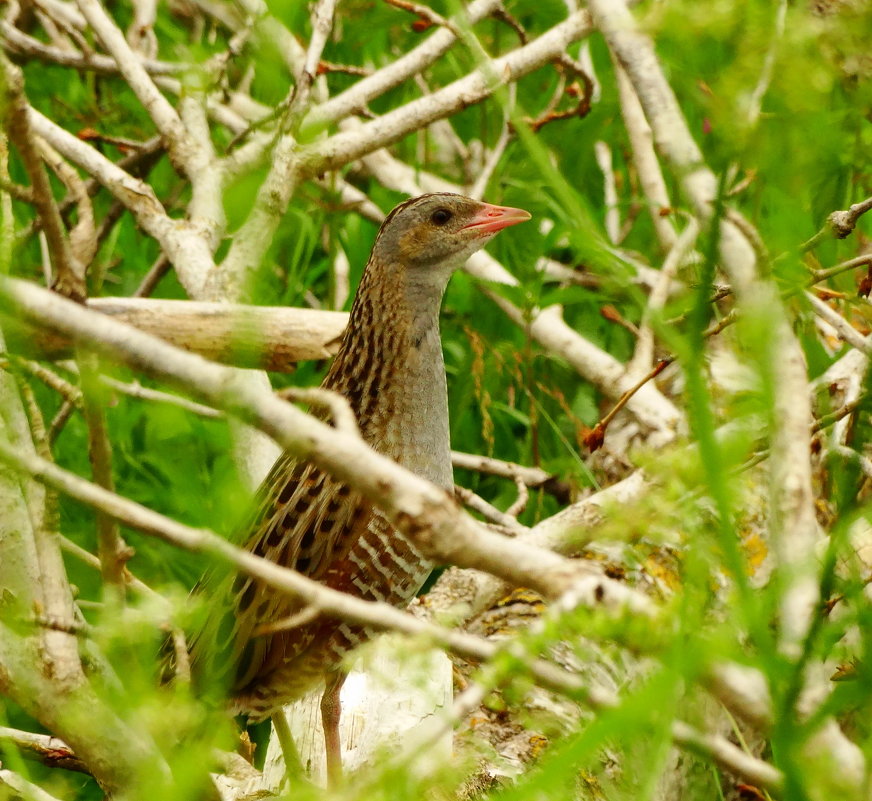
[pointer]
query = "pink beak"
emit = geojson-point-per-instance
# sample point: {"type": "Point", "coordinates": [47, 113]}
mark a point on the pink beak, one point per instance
{"type": "Point", "coordinates": [491, 219]}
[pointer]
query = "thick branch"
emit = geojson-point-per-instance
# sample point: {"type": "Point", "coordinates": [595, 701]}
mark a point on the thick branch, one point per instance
{"type": "Point", "coordinates": [272, 338]}
{"type": "Point", "coordinates": [380, 615]}
{"type": "Point", "coordinates": [424, 513]}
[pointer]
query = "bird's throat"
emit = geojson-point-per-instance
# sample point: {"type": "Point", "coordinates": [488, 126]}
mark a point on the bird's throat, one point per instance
{"type": "Point", "coordinates": [391, 370]}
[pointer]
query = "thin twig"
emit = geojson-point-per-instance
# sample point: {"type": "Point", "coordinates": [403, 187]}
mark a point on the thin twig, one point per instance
{"type": "Point", "coordinates": [21, 788]}
{"type": "Point", "coordinates": [152, 278]}
{"type": "Point", "coordinates": [756, 101]}
{"type": "Point", "coordinates": [325, 67]}
{"type": "Point", "coordinates": [50, 378]}
{"type": "Point", "coordinates": [301, 618]}
{"type": "Point", "coordinates": [110, 547]}
{"type": "Point", "coordinates": [840, 224]}
{"type": "Point", "coordinates": [477, 190]}
{"type": "Point", "coordinates": [60, 420]}
{"type": "Point", "coordinates": [603, 155]}
{"type": "Point", "coordinates": [427, 17]}
{"type": "Point", "coordinates": [322, 22]}
{"type": "Point", "coordinates": [82, 237]}
{"type": "Point", "coordinates": [532, 476]}
{"type": "Point", "coordinates": [136, 584]}
{"type": "Point", "coordinates": [844, 329]}
{"type": "Point", "coordinates": [335, 403]}
{"type": "Point", "coordinates": [488, 510]}
{"type": "Point", "coordinates": [851, 264]}
{"type": "Point", "coordinates": [25, 45]}
{"type": "Point", "coordinates": [643, 354]}
{"type": "Point", "coordinates": [135, 390]}
{"type": "Point", "coordinates": [594, 438]}
{"type": "Point", "coordinates": [833, 417]}
{"type": "Point", "coordinates": [69, 274]}
{"type": "Point", "coordinates": [520, 502]}
{"type": "Point", "coordinates": [22, 193]}
{"type": "Point", "coordinates": [47, 749]}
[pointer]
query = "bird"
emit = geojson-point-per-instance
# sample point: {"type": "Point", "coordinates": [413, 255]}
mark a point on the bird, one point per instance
{"type": "Point", "coordinates": [390, 369]}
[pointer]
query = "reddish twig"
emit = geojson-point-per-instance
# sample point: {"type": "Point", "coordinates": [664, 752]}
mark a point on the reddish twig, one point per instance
{"type": "Point", "coordinates": [504, 16]}
{"type": "Point", "coordinates": [610, 313]}
{"type": "Point", "coordinates": [593, 440]}
{"type": "Point", "coordinates": [580, 110]}
{"type": "Point", "coordinates": [49, 750]}
{"type": "Point", "coordinates": [325, 67]}
{"type": "Point", "coordinates": [427, 17]}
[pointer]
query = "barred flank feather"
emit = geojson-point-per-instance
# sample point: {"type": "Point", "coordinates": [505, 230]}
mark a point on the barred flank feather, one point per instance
{"type": "Point", "coordinates": [390, 369]}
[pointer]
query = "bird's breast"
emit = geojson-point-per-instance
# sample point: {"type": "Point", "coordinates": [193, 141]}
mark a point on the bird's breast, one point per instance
{"type": "Point", "coordinates": [412, 413]}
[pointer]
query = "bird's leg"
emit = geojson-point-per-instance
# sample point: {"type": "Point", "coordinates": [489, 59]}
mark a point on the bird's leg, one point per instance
{"type": "Point", "coordinates": [331, 708]}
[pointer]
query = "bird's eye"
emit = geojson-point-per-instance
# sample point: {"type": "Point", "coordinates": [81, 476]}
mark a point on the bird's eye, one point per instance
{"type": "Point", "coordinates": [440, 216]}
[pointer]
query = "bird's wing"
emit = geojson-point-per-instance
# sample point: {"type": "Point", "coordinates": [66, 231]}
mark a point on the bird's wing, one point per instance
{"type": "Point", "coordinates": [305, 520]}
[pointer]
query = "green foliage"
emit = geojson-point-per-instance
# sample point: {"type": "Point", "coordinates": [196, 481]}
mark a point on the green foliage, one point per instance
{"type": "Point", "coordinates": [807, 155]}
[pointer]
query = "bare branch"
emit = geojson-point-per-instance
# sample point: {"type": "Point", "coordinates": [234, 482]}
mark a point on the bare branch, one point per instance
{"type": "Point", "coordinates": [135, 390]}
{"type": "Point", "coordinates": [140, 34]}
{"type": "Point", "coordinates": [334, 403]}
{"type": "Point", "coordinates": [21, 788]}
{"type": "Point", "coordinates": [838, 269]}
{"type": "Point", "coordinates": [93, 562]}
{"type": "Point", "coordinates": [69, 274]}
{"type": "Point", "coordinates": [274, 338]}
{"type": "Point", "coordinates": [355, 98]}
{"type": "Point", "coordinates": [322, 21]}
{"type": "Point", "coordinates": [755, 102]}
{"type": "Point", "coordinates": [342, 148]}
{"type": "Point", "coordinates": [83, 238]}
{"type": "Point", "coordinates": [380, 615]}
{"type": "Point", "coordinates": [520, 503]}
{"type": "Point", "coordinates": [532, 476]}
{"type": "Point", "coordinates": [152, 278]}
{"type": "Point", "coordinates": [489, 511]}
{"type": "Point", "coordinates": [187, 250]}
{"type": "Point", "coordinates": [645, 159]}
{"type": "Point", "coordinates": [20, 43]}
{"type": "Point", "coordinates": [427, 16]}
{"type": "Point", "coordinates": [603, 155]}
{"type": "Point", "coordinates": [730, 757]}
{"type": "Point", "coordinates": [793, 523]}
{"type": "Point", "coordinates": [840, 224]}
{"type": "Point", "coordinates": [643, 356]}
{"type": "Point", "coordinates": [163, 115]}
{"type": "Point", "coordinates": [421, 511]}
{"type": "Point", "coordinates": [843, 328]}
{"type": "Point", "coordinates": [47, 749]}
{"type": "Point", "coordinates": [110, 547]}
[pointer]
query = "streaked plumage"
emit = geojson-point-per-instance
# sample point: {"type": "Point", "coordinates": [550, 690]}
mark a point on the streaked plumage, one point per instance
{"type": "Point", "coordinates": [390, 368]}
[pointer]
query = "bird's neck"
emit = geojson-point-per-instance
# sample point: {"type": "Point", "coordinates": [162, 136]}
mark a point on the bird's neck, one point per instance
{"type": "Point", "coordinates": [390, 368]}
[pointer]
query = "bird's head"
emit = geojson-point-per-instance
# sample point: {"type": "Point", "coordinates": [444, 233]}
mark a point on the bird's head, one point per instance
{"type": "Point", "coordinates": [442, 230]}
